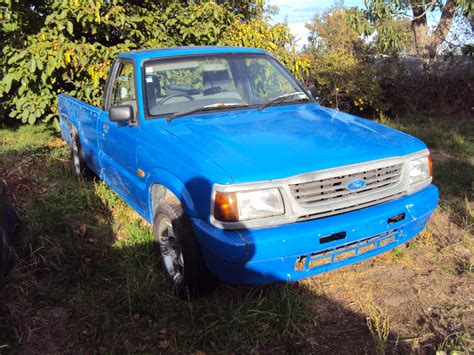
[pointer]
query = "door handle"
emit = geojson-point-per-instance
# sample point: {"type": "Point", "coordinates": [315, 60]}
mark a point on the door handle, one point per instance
{"type": "Point", "coordinates": [105, 127]}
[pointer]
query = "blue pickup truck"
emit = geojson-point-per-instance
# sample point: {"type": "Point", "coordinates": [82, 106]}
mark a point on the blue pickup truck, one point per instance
{"type": "Point", "coordinates": [244, 177]}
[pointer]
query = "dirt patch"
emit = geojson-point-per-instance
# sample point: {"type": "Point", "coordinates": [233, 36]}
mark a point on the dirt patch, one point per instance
{"type": "Point", "coordinates": [426, 304]}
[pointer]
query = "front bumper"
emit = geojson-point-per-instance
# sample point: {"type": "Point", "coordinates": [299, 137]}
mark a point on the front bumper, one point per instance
{"type": "Point", "coordinates": [294, 251]}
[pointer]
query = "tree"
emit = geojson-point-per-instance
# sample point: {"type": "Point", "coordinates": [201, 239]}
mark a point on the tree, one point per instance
{"type": "Point", "coordinates": [342, 63]}
{"type": "Point", "coordinates": [380, 13]}
{"type": "Point", "coordinates": [66, 46]}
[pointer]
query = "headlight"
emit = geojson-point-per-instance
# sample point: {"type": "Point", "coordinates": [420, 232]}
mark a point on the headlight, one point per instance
{"type": "Point", "coordinates": [246, 205]}
{"type": "Point", "coordinates": [420, 169]}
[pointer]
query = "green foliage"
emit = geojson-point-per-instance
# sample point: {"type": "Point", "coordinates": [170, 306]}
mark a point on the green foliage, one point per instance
{"type": "Point", "coordinates": [383, 8]}
{"type": "Point", "coordinates": [391, 32]}
{"type": "Point", "coordinates": [342, 66]}
{"type": "Point", "coordinates": [66, 46]}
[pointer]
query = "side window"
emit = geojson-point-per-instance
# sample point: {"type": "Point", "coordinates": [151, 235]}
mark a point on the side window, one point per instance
{"type": "Point", "coordinates": [123, 92]}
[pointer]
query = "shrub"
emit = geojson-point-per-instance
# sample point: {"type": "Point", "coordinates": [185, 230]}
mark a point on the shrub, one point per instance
{"type": "Point", "coordinates": [444, 88]}
{"type": "Point", "coordinates": [342, 66]}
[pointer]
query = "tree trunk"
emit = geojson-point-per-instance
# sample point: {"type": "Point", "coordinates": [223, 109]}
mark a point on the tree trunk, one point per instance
{"type": "Point", "coordinates": [419, 26]}
{"type": "Point", "coordinates": [425, 43]}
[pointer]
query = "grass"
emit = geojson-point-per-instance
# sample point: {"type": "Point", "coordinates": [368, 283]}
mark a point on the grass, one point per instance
{"type": "Point", "coordinates": [85, 279]}
{"type": "Point", "coordinates": [451, 136]}
{"type": "Point", "coordinates": [378, 322]}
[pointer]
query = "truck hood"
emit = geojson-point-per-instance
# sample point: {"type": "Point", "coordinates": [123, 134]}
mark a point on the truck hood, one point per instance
{"type": "Point", "coordinates": [280, 142]}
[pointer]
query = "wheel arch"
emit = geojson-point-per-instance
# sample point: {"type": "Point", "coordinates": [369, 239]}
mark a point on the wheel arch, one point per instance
{"type": "Point", "coordinates": [162, 185]}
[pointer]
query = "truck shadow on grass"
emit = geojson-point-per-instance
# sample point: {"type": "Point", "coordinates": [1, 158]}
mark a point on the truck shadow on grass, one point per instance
{"type": "Point", "coordinates": [86, 280]}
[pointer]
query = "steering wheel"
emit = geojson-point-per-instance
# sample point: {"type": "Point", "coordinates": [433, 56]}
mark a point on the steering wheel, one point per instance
{"type": "Point", "coordinates": [163, 100]}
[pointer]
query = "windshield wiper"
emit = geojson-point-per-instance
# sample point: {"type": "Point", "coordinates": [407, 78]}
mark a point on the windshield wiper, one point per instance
{"type": "Point", "coordinates": [206, 108]}
{"type": "Point", "coordinates": [281, 98]}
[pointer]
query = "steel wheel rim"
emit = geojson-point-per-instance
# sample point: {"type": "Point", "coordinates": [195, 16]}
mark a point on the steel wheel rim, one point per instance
{"type": "Point", "coordinates": [170, 249]}
{"type": "Point", "coordinates": [75, 157]}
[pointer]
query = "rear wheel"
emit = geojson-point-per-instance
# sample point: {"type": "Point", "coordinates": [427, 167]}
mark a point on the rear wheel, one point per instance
{"type": "Point", "coordinates": [179, 252]}
{"type": "Point", "coordinates": [79, 166]}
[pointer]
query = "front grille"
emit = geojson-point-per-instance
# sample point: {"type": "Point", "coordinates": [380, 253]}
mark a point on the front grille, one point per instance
{"type": "Point", "coordinates": [346, 251]}
{"type": "Point", "coordinates": [332, 190]}
{"type": "Point", "coordinates": [351, 207]}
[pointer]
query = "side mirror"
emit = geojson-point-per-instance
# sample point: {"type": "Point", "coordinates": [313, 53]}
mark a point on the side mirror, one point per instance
{"type": "Point", "coordinates": [121, 114]}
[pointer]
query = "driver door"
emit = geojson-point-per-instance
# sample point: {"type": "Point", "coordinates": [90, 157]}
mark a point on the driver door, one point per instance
{"type": "Point", "coordinates": [118, 141]}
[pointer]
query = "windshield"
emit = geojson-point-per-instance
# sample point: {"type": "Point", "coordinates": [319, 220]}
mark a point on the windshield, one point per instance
{"type": "Point", "coordinates": [238, 80]}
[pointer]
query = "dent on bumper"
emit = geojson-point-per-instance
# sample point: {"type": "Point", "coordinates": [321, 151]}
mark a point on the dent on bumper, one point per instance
{"type": "Point", "coordinates": [294, 251]}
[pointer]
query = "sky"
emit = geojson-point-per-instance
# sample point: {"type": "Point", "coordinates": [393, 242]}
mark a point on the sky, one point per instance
{"type": "Point", "coordinates": [298, 12]}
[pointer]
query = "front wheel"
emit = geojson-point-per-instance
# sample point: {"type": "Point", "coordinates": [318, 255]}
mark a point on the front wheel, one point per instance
{"type": "Point", "coordinates": [179, 252]}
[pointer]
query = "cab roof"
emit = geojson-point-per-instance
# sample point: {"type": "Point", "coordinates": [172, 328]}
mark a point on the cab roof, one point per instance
{"type": "Point", "coordinates": [146, 54]}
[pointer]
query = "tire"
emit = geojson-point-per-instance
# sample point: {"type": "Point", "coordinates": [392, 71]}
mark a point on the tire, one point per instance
{"type": "Point", "coordinates": [79, 166]}
{"type": "Point", "coordinates": [179, 252]}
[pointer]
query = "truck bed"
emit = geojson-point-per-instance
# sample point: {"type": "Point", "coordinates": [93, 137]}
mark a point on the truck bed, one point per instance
{"type": "Point", "coordinates": [83, 118]}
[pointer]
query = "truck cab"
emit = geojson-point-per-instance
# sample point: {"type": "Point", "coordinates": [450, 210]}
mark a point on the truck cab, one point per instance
{"type": "Point", "coordinates": [243, 175]}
